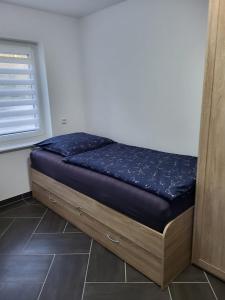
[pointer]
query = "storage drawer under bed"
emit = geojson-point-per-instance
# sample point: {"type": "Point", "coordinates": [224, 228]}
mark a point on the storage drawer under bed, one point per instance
{"type": "Point", "coordinates": [160, 256]}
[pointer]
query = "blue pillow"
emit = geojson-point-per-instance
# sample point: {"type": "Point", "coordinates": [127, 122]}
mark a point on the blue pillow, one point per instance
{"type": "Point", "coordinates": [73, 143]}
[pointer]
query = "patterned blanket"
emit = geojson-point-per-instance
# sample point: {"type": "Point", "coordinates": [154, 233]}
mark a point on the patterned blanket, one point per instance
{"type": "Point", "coordinates": [164, 174]}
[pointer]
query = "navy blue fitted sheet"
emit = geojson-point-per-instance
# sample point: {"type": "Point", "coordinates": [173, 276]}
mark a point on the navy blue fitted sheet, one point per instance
{"type": "Point", "coordinates": [144, 207]}
{"type": "Point", "coordinates": [164, 174]}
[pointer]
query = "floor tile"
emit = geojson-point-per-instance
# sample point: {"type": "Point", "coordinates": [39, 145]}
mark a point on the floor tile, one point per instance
{"type": "Point", "coordinates": [135, 276]}
{"type": "Point", "coordinates": [71, 228]}
{"type": "Point", "coordinates": [191, 274]}
{"type": "Point", "coordinates": [218, 286]}
{"type": "Point", "coordinates": [16, 237]}
{"type": "Point", "coordinates": [124, 291]}
{"type": "Point", "coordinates": [4, 224]}
{"type": "Point", "coordinates": [6, 208]}
{"type": "Point", "coordinates": [22, 210]}
{"type": "Point", "coordinates": [104, 266]}
{"type": "Point", "coordinates": [32, 201]}
{"type": "Point", "coordinates": [191, 291]}
{"type": "Point", "coordinates": [58, 243]}
{"type": "Point", "coordinates": [11, 200]}
{"type": "Point", "coordinates": [51, 223]}
{"type": "Point", "coordinates": [19, 291]}
{"type": "Point", "coordinates": [66, 278]}
{"type": "Point", "coordinates": [21, 268]}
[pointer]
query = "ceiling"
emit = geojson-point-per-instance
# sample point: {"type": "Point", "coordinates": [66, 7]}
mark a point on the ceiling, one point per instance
{"type": "Point", "coordinates": [72, 8]}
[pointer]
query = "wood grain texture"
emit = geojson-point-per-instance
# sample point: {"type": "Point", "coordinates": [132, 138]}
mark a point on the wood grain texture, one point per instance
{"type": "Point", "coordinates": [151, 252]}
{"type": "Point", "coordinates": [177, 239]}
{"type": "Point", "coordinates": [205, 121]}
{"type": "Point", "coordinates": [209, 241]}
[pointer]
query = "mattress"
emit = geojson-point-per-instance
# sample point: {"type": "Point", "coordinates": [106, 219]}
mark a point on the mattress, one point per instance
{"type": "Point", "coordinates": [164, 174]}
{"type": "Point", "coordinates": [140, 205]}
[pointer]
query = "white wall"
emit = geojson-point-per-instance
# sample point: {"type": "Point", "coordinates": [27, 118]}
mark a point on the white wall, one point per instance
{"type": "Point", "coordinates": [144, 70]}
{"type": "Point", "coordinates": [14, 174]}
{"type": "Point", "coordinates": [59, 36]}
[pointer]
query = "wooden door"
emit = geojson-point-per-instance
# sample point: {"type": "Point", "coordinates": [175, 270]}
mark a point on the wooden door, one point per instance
{"type": "Point", "coordinates": [209, 229]}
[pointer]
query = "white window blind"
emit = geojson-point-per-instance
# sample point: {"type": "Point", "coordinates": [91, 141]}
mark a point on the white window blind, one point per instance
{"type": "Point", "coordinates": [19, 103]}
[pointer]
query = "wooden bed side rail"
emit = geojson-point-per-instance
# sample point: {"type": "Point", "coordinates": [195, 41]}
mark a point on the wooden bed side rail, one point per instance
{"type": "Point", "coordinates": [177, 237]}
{"type": "Point", "coordinates": [159, 256]}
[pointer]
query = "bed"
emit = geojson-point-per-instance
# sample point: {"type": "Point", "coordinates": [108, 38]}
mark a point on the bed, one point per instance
{"type": "Point", "coordinates": [150, 232]}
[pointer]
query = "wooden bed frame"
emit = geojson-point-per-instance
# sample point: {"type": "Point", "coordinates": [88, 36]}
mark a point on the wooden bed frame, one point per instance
{"type": "Point", "coordinates": [159, 256]}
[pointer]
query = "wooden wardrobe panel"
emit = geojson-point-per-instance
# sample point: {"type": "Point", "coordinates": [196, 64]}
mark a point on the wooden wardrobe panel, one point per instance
{"type": "Point", "coordinates": [209, 238]}
{"type": "Point", "coordinates": [205, 120]}
{"type": "Point", "coordinates": [213, 244]}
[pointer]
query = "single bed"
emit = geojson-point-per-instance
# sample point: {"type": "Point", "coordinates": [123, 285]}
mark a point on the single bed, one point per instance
{"type": "Point", "coordinates": [142, 206]}
{"type": "Point", "coordinates": [148, 231]}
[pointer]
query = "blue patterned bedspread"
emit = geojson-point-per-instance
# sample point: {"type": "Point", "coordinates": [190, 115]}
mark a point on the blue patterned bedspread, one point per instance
{"type": "Point", "coordinates": [164, 174]}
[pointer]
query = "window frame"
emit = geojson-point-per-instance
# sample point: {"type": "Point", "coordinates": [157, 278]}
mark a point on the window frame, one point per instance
{"type": "Point", "coordinates": [26, 139]}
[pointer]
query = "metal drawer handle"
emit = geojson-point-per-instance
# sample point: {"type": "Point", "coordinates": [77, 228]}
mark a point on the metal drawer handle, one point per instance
{"type": "Point", "coordinates": [111, 239]}
{"type": "Point", "coordinates": [52, 200]}
{"type": "Point", "coordinates": [79, 210]}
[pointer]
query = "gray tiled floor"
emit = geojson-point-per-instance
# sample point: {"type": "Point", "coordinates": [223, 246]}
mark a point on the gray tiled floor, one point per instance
{"type": "Point", "coordinates": [44, 257]}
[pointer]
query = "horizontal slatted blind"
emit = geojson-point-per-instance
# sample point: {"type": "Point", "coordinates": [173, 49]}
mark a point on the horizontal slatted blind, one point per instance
{"type": "Point", "coordinates": [19, 111]}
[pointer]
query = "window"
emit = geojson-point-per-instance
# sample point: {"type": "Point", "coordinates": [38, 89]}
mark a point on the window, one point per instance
{"type": "Point", "coordinates": [24, 105]}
